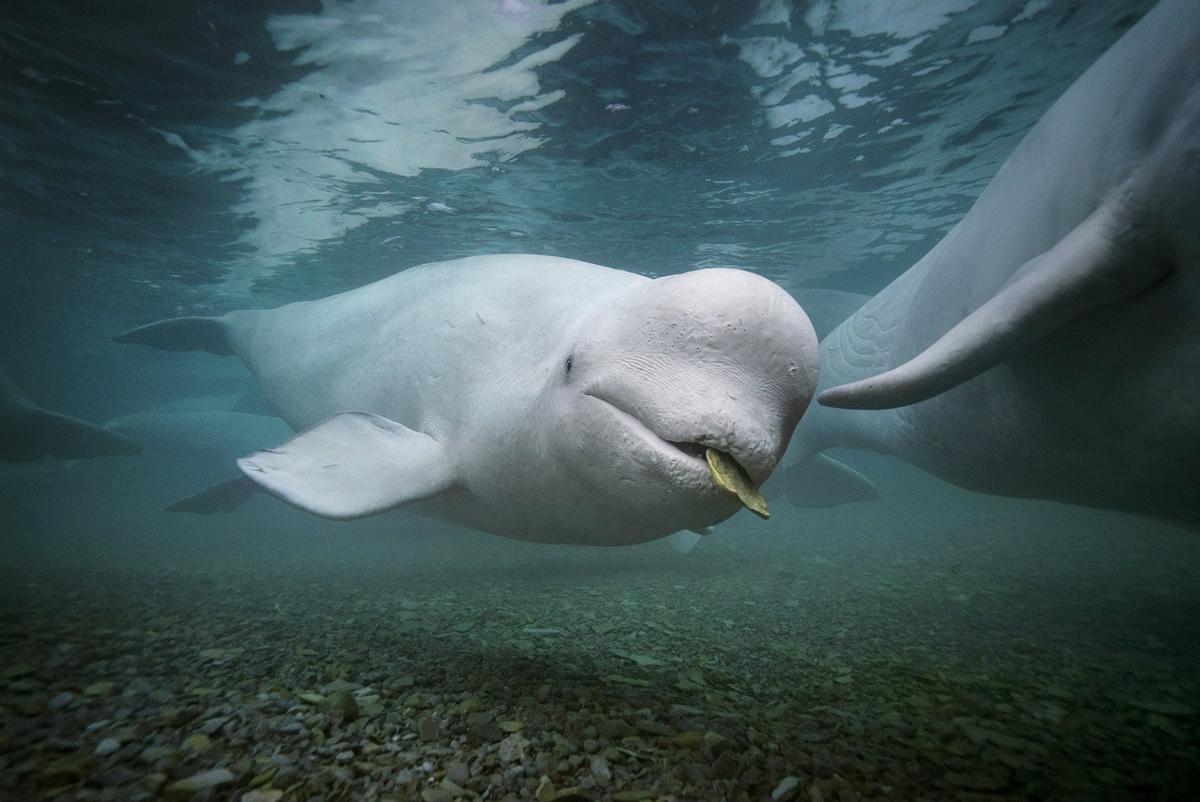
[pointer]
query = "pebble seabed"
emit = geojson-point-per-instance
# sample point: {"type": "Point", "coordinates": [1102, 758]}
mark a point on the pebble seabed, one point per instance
{"type": "Point", "coordinates": [956, 667]}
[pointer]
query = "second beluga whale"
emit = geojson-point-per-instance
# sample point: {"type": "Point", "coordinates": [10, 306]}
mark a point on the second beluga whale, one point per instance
{"type": "Point", "coordinates": [534, 397]}
{"type": "Point", "coordinates": [1049, 345]}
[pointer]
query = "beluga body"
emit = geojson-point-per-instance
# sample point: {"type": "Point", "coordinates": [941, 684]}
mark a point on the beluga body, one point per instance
{"type": "Point", "coordinates": [534, 397]}
{"type": "Point", "coordinates": [1049, 345]}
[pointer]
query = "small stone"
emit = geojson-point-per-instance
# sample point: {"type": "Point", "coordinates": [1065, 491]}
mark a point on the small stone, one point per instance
{"type": "Point", "coordinates": [511, 725]}
{"type": "Point", "coordinates": [339, 685]}
{"type": "Point", "coordinates": [153, 754]}
{"type": "Point", "coordinates": [65, 770]}
{"type": "Point", "coordinates": [262, 795]}
{"type": "Point", "coordinates": [342, 703]}
{"type": "Point", "coordinates": [428, 729]}
{"type": "Point", "coordinates": [545, 790]}
{"type": "Point", "coordinates": [344, 757]}
{"type": "Point", "coordinates": [437, 794]}
{"type": "Point", "coordinates": [726, 766]}
{"type": "Point", "coordinates": [786, 789]}
{"type": "Point", "coordinates": [572, 794]}
{"type": "Point", "coordinates": [196, 743]}
{"type": "Point", "coordinates": [213, 725]}
{"type": "Point", "coordinates": [287, 724]}
{"type": "Point", "coordinates": [102, 688]}
{"type": "Point", "coordinates": [201, 780]}
{"type": "Point", "coordinates": [107, 747]}
{"type": "Point", "coordinates": [512, 748]}
{"type": "Point", "coordinates": [600, 769]}
{"type": "Point", "coordinates": [633, 795]}
{"type": "Point", "coordinates": [61, 700]}
{"type": "Point", "coordinates": [458, 773]}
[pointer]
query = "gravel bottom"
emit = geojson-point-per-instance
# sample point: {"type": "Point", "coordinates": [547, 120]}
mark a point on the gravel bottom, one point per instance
{"type": "Point", "coordinates": [584, 675]}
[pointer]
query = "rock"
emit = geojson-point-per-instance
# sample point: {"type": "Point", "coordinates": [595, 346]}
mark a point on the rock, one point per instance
{"type": "Point", "coordinates": [786, 789]}
{"type": "Point", "coordinates": [458, 773]}
{"type": "Point", "coordinates": [633, 795]}
{"type": "Point", "coordinates": [65, 770]}
{"type": "Point", "coordinates": [339, 685]}
{"type": "Point", "coordinates": [61, 700]}
{"type": "Point", "coordinates": [511, 725]}
{"type": "Point", "coordinates": [153, 754]}
{"type": "Point", "coordinates": [196, 743]}
{"type": "Point", "coordinates": [428, 728]}
{"type": "Point", "coordinates": [726, 766]}
{"type": "Point", "coordinates": [213, 725]}
{"type": "Point", "coordinates": [600, 769]}
{"type": "Point", "coordinates": [654, 728]}
{"type": "Point", "coordinates": [572, 794]}
{"type": "Point", "coordinates": [436, 794]}
{"type": "Point", "coordinates": [107, 747]}
{"type": "Point", "coordinates": [101, 689]}
{"type": "Point", "coordinates": [287, 724]}
{"type": "Point", "coordinates": [262, 795]}
{"type": "Point", "coordinates": [545, 790]}
{"type": "Point", "coordinates": [201, 780]}
{"type": "Point", "coordinates": [512, 748]}
{"type": "Point", "coordinates": [343, 704]}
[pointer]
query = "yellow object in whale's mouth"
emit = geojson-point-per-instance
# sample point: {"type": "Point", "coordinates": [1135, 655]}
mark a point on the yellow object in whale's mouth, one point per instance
{"type": "Point", "coordinates": [732, 478]}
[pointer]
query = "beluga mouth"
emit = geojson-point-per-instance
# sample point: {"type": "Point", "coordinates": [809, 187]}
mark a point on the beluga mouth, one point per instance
{"type": "Point", "coordinates": [731, 477]}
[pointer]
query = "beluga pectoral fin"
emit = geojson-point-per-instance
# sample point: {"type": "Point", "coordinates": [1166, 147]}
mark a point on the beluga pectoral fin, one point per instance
{"type": "Point", "coordinates": [352, 465]}
{"type": "Point", "coordinates": [1094, 264]}
{"type": "Point", "coordinates": [730, 477]}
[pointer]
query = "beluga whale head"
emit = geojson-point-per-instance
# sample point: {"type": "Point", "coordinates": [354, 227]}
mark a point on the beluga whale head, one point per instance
{"type": "Point", "coordinates": [675, 400]}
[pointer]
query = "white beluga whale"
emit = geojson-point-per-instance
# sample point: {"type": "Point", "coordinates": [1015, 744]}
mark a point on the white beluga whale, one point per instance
{"type": "Point", "coordinates": [1049, 345]}
{"type": "Point", "coordinates": [534, 397]}
{"type": "Point", "coordinates": [28, 432]}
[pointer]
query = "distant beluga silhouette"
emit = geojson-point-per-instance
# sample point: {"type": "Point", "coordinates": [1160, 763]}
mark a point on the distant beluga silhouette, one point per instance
{"type": "Point", "coordinates": [1049, 345]}
{"type": "Point", "coordinates": [534, 397]}
{"type": "Point", "coordinates": [28, 432]}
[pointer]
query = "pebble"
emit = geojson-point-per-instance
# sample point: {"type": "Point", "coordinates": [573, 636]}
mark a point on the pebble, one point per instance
{"type": "Point", "coordinates": [60, 700]}
{"type": "Point", "coordinates": [786, 789]}
{"type": "Point", "coordinates": [201, 780]}
{"type": "Point", "coordinates": [428, 728]}
{"type": "Point", "coordinates": [600, 769]}
{"type": "Point", "coordinates": [512, 748]}
{"type": "Point", "coordinates": [107, 747]}
{"type": "Point", "coordinates": [545, 791]}
{"type": "Point", "coordinates": [196, 743]}
{"type": "Point", "coordinates": [262, 795]}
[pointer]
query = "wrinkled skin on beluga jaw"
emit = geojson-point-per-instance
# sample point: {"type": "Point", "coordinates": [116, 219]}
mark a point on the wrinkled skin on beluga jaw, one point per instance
{"type": "Point", "coordinates": [712, 359]}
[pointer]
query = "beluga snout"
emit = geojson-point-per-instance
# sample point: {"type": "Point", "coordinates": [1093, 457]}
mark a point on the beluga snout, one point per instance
{"type": "Point", "coordinates": [715, 365]}
{"type": "Point", "coordinates": [534, 397]}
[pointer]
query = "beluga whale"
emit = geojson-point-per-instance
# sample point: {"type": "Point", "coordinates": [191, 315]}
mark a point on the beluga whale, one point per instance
{"type": "Point", "coordinates": [29, 432]}
{"type": "Point", "coordinates": [534, 397]}
{"type": "Point", "coordinates": [1049, 345]}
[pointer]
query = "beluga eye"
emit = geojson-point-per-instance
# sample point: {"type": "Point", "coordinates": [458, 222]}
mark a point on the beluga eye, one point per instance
{"type": "Point", "coordinates": [569, 364]}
